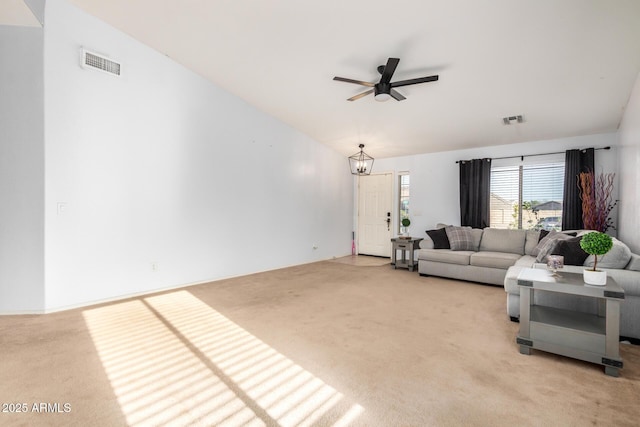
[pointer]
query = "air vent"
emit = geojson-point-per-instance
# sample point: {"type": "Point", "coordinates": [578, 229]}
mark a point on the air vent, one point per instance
{"type": "Point", "coordinates": [510, 120]}
{"type": "Point", "coordinates": [98, 62]}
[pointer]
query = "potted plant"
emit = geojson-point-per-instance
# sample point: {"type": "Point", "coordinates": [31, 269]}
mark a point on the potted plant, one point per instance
{"type": "Point", "coordinates": [596, 243]}
{"type": "Point", "coordinates": [406, 222]}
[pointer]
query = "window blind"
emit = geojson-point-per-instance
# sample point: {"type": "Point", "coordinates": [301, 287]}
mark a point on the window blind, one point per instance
{"type": "Point", "coordinates": [527, 196]}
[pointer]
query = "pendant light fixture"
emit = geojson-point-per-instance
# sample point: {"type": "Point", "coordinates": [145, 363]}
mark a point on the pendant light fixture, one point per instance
{"type": "Point", "coordinates": [361, 163]}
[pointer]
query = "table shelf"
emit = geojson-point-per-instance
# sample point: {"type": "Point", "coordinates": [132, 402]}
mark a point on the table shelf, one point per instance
{"type": "Point", "coordinates": [586, 336]}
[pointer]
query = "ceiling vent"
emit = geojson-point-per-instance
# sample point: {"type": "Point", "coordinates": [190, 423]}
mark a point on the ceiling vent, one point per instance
{"type": "Point", "coordinates": [98, 62]}
{"type": "Point", "coordinates": [510, 120]}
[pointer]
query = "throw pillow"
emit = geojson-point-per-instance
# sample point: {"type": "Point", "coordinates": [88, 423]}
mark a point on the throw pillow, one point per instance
{"type": "Point", "coordinates": [542, 242]}
{"type": "Point", "coordinates": [460, 238]}
{"type": "Point", "coordinates": [548, 243]}
{"type": "Point", "coordinates": [440, 239]}
{"type": "Point", "coordinates": [571, 251]}
{"type": "Point", "coordinates": [617, 257]}
{"type": "Point", "coordinates": [543, 234]}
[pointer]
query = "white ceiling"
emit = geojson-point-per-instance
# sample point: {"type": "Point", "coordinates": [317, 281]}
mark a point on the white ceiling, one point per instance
{"type": "Point", "coordinates": [16, 12]}
{"type": "Point", "coordinates": [568, 66]}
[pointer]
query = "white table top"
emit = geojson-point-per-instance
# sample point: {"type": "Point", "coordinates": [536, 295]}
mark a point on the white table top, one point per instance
{"type": "Point", "coordinates": [568, 283]}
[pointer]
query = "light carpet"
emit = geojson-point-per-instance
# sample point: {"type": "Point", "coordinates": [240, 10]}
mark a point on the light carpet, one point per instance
{"type": "Point", "coordinates": [320, 344]}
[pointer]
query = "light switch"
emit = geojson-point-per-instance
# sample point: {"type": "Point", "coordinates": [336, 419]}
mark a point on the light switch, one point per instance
{"type": "Point", "coordinates": [62, 208]}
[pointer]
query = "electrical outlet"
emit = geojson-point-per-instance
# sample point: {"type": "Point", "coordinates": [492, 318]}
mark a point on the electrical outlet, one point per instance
{"type": "Point", "coordinates": [154, 266]}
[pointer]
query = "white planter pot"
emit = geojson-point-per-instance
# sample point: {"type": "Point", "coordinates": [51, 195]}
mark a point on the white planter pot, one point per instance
{"type": "Point", "coordinates": [598, 277]}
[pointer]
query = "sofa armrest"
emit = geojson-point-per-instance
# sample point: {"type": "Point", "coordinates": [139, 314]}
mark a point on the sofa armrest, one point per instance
{"type": "Point", "coordinates": [426, 243]}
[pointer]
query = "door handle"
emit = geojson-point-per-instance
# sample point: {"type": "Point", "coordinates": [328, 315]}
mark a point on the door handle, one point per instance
{"type": "Point", "coordinates": [388, 224]}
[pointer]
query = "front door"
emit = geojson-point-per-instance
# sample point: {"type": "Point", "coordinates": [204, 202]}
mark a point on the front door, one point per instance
{"type": "Point", "coordinates": [374, 214]}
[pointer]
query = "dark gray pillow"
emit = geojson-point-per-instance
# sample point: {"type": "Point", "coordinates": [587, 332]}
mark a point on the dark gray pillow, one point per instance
{"type": "Point", "coordinates": [460, 238]}
{"type": "Point", "coordinates": [571, 250]}
{"type": "Point", "coordinates": [440, 239]}
{"type": "Point", "coordinates": [543, 234]}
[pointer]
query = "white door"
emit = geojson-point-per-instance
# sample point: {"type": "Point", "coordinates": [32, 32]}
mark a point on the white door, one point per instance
{"type": "Point", "coordinates": [374, 214]}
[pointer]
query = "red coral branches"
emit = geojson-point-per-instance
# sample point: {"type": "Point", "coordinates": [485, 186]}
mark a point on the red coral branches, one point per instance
{"type": "Point", "coordinates": [597, 202]}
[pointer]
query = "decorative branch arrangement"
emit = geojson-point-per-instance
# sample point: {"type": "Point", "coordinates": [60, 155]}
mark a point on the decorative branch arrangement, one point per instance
{"type": "Point", "coordinates": [597, 202]}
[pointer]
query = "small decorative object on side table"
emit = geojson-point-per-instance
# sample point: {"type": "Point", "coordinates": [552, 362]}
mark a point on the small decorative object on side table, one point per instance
{"type": "Point", "coordinates": [406, 222]}
{"type": "Point", "coordinates": [407, 246]}
{"type": "Point", "coordinates": [555, 263]}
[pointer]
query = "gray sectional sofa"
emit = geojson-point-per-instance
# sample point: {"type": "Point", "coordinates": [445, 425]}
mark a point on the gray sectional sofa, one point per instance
{"type": "Point", "coordinates": [496, 257]}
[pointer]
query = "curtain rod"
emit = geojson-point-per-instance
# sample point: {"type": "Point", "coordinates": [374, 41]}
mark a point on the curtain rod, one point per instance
{"type": "Point", "coordinates": [533, 155]}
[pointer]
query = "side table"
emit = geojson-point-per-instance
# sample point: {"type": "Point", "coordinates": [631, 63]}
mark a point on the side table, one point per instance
{"type": "Point", "coordinates": [590, 337]}
{"type": "Point", "coordinates": [408, 247]}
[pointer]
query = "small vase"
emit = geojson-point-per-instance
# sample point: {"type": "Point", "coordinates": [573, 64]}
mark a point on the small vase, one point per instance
{"type": "Point", "coordinates": [597, 277]}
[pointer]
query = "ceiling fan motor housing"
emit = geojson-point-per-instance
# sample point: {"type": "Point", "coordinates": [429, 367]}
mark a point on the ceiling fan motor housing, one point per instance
{"type": "Point", "coordinates": [382, 91]}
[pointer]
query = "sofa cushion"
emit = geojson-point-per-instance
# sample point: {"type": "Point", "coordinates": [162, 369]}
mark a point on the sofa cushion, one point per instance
{"type": "Point", "coordinates": [617, 257]}
{"type": "Point", "coordinates": [477, 238]}
{"type": "Point", "coordinates": [497, 240]}
{"type": "Point", "coordinates": [439, 237]}
{"type": "Point", "coordinates": [571, 251]}
{"type": "Point", "coordinates": [532, 237]}
{"type": "Point", "coordinates": [526, 261]}
{"type": "Point", "coordinates": [460, 238]}
{"type": "Point", "coordinates": [490, 259]}
{"type": "Point", "coordinates": [445, 256]}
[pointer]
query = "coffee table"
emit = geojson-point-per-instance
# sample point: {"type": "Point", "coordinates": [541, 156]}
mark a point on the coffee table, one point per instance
{"type": "Point", "coordinates": [585, 336]}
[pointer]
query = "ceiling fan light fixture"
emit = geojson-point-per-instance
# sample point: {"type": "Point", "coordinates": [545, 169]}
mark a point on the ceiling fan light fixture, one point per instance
{"type": "Point", "coordinates": [361, 163]}
{"type": "Point", "coordinates": [382, 92]}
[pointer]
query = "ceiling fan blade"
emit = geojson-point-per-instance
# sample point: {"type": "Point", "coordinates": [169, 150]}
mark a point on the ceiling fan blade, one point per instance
{"type": "Point", "coordinates": [358, 82]}
{"type": "Point", "coordinates": [389, 69]}
{"type": "Point", "coordinates": [396, 95]}
{"type": "Point", "coordinates": [360, 95]}
{"type": "Point", "coordinates": [414, 81]}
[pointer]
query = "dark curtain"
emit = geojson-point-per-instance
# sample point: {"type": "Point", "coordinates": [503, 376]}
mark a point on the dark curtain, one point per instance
{"type": "Point", "coordinates": [475, 176]}
{"type": "Point", "coordinates": [575, 162]}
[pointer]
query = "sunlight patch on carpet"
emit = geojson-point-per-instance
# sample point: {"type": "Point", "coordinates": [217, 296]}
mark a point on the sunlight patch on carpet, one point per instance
{"type": "Point", "coordinates": [173, 360]}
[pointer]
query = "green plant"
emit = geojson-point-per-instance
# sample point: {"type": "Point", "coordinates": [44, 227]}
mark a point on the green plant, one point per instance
{"type": "Point", "coordinates": [596, 243]}
{"type": "Point", "coordinates": [405, 222]}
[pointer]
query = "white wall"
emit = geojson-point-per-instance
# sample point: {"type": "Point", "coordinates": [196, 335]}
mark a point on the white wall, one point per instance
{"type": "Point", "coordinates": [160, 167]}
{"type": "Point", "coordinates": [435, 176]}
{"type": "Point", "coordinates": [21, 170]}
{"type": "Point", "coordinates": [629, 154]}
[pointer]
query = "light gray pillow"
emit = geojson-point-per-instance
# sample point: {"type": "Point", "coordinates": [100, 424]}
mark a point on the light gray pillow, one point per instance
{"type": "Point", "coordinates": [617, 257]}
{"type": "Point", "coordinates": [548, 246]}
{"type": "Point", "coordinates": [460, 238]}
{"type": "Point", "coordinates": [542, 242]}
{"type": "Point", "coordinates": [634, 263]}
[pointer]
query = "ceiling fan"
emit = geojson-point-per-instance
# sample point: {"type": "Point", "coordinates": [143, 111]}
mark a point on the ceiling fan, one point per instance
{"type": "Point", "coordinates": [384, 89]}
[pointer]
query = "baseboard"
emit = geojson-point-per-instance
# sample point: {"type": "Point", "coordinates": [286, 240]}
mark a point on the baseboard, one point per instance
{"type": "Point", "coordinates": [149, 292]}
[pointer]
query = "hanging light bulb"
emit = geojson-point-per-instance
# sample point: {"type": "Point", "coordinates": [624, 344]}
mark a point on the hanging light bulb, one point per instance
{"type": "Point", "coordinates": [361, 163]}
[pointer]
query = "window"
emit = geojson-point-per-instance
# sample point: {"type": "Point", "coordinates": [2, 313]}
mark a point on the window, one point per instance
{"type": "Point", "coordinates": [403, 198]}
{"type": "Point", "coordinates": [527, 195]}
